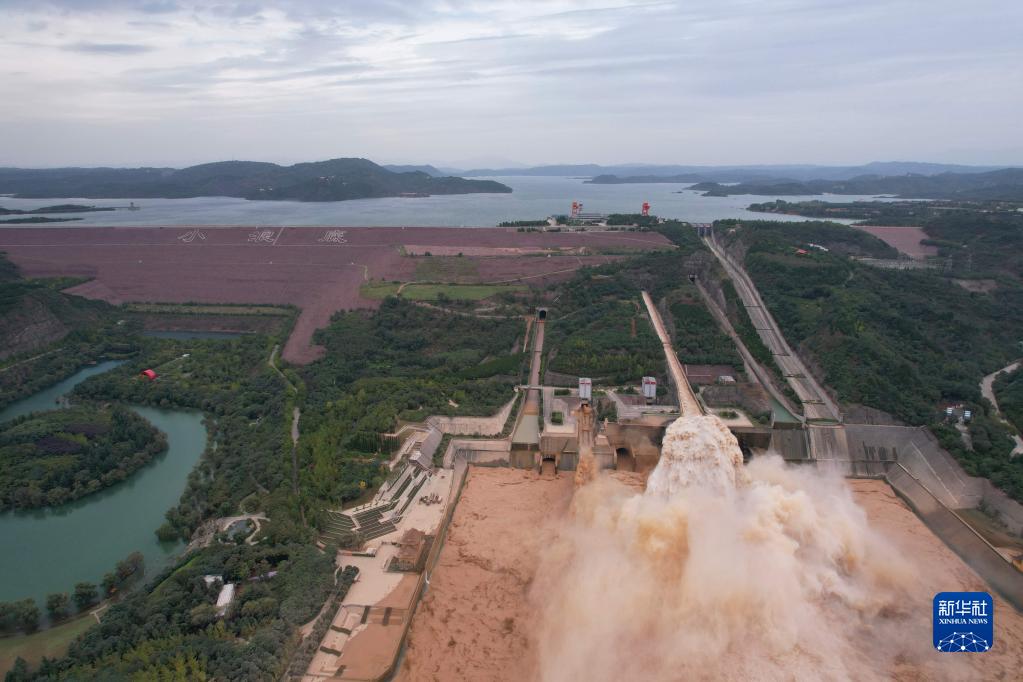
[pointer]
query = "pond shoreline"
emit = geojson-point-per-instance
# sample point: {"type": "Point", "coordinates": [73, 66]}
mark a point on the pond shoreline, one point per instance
{"type": "Point", "coordinates": [110, 523]}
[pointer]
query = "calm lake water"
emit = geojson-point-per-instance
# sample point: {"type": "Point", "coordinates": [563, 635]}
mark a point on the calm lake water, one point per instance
{"type": "Point", "coordinates": [533, 197]}
{"type": "Point", "coordinates": [50, 550]}
{"type": "Point", "coordinates": [46, 399]}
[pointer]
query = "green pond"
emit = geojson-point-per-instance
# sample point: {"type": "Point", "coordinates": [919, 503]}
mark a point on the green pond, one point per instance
{"type": "Point", "coordinates": [50, 550]}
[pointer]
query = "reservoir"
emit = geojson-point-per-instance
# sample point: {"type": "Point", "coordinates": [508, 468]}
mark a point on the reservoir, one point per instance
{"type": "Point", "coordinates": [49, 550]}
{"type": "Point", "coordinates": [533, 197]}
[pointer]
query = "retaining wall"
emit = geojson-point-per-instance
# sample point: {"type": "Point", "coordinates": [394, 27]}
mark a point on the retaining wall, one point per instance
{"type": "Point", "coordinates": [958, 535]}
{"type": "Point", "coordinates": [919, 452]}
{"type": "Point", "coordinates": [460, 475]}
{"type": "Point", "coordinates": [475, 450]}
{"type": "Point", "coordinates": [1003, 507]}
{"type": "Point", "coordinates": [473, 426]}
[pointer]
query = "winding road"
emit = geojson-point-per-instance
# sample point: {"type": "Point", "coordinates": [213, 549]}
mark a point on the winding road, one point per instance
{"type": "Point", "coordinates": [987, 389]}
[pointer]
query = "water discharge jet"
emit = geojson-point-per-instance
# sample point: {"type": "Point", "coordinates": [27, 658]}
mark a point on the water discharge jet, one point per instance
{"type": "Point", "coordinates": [792, 575]}
{"type": "Point", "coordinates": [718, 571]}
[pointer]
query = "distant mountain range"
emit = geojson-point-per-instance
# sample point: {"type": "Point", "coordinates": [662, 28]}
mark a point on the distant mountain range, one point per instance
{"type": "Point", "coordinates": [333, 180]}
{"type": "Point", "coordinates": [751, 173]}
{"type": "Point", "coordinates": [1003, 185]}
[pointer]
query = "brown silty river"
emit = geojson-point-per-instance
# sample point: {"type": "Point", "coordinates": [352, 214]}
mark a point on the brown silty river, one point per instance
{"type": "Point", "coordinates": [783, 574]}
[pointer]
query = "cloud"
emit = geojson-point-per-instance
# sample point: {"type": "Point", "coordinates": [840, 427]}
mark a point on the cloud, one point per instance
{"type": "Point", "coordinates": [159, 7]}
{"type": "Point", "coordinates": [700, 81]}
{"type": "Point", "coordinates": [108, 48]}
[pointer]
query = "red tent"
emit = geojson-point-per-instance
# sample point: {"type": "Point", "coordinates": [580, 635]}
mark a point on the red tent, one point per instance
{"type": "Point", "coordinates": [149, 374]}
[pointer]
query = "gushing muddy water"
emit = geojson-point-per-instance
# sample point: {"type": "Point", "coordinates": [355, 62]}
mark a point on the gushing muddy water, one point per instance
{"type": "Point", "coordinates": [714, 571]}
{"type": "Point", "coordinates": [719, 571]}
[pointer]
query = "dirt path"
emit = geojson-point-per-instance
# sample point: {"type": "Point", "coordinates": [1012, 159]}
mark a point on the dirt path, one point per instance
{"type": "Point", "coordinates": [987, 389]}
{"type": "Point", "coordinates": [34, 357]}
{"type": "Point", "coordinates": [272, 361]}
{"type": "Point", "coordinates": [463, 313]}
{"type": "Point", "coordinates": [295, 416]}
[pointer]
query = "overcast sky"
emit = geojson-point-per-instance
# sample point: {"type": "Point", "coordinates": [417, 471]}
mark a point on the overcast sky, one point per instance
{"type": "Point", "coordinates": [91, 82]}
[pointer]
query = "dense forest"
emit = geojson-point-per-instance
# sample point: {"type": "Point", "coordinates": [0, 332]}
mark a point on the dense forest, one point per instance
{"type": "Point", "coordinates": [870, 212]}
{"type": "Point", "coordinates": [600, 328]}
{"type": "Point", "coordinates": [54, 457]}
{"type": "Point", "coordinates": [903, 341]}
{"type": "Point", "coordinates": [601, 333]}
{"type": "Point", "coordinates": [46, 335]}
{"type": "Point", "coordinates": [697, 337]}
{"type": "Point", "coordinates": [1008, 390]}
{"type": "Point", "coordinates": [982, 243]}
{"type": "Point", "coordinates": [245, 403]}
{"type": "Point", "coordinates": [332, 180]}
{"type": "Point", "coordinates": [400, 363]}
{"type": "Point", "coordinates": [172, 631]}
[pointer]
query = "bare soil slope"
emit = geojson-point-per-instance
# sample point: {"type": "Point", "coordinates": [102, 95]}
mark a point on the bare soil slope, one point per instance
{"type": "Point", "coordinates": [318, 269]}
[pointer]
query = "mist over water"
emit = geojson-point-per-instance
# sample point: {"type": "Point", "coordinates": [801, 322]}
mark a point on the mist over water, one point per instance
{"type": "Point", "coordinates": [718, 571]}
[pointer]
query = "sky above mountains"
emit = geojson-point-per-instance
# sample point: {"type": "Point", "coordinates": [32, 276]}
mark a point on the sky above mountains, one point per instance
{"type": "Point", "coordinates": [464, 84]}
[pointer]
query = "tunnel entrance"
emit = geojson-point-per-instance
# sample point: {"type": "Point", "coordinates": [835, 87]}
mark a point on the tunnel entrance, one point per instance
{"type": "Point", "coordinates": [624, 460]}
{"type": "Point", "coordinates": [548, 467]}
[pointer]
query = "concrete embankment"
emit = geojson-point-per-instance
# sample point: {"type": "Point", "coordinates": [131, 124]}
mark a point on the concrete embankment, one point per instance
{"type": "Point", "coordinates": [959, 536]}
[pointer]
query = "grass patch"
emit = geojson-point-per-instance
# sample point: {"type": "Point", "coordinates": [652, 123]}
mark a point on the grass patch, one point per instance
{"type": "Point", "coordinates": [51, 643]}
{"type": "Point", "coordinates": [199, 309]}
{"type": "Point", "coordinates": [435, 292]}
{"type": "Point", "coordinates": [446, 269]}
{"type": "Point", "coordinates": [379, 290]}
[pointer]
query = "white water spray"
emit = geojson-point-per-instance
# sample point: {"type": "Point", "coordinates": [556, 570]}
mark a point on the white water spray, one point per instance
{"type": "Point", "coordinates": [717, 571]}
{"type": "Point", "coordinates": [697, 451]}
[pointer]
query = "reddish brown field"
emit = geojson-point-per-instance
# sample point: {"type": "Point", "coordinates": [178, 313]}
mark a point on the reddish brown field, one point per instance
{"type": "Point", "coordinates": [317, 269]}
{"type": "Point", "coordinates": [905, 239]}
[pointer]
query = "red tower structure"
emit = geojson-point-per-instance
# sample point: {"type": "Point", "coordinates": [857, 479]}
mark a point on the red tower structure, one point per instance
{"type": "Point", "coordinates": [646, 208]}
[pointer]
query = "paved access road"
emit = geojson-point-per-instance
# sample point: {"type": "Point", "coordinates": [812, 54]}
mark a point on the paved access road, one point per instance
{"type": "Point", "coordinates": [817, 404]}
{"type": "Point", "coordinates": [827, 435]}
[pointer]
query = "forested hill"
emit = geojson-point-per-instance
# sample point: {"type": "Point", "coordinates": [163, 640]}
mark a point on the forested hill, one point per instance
{"type": "Point", "coordinates": [34, 313]}
{"type": "Point", "coordinates": [333, 180]}
{"type": "Point", "coordinates": [1003, 185]}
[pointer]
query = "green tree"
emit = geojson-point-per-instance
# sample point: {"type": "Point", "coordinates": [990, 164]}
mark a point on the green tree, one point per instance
{"type": "Point", "coordinates": [110, 583]}
{"type": "Point", "coordinates": [85, 595]}
{"type": "Point", "coordinates": [19, 615]}
{"type": "Point", "coordinates": [202, 615]}
{"type": "Point", "coordinates": [18, 672]}
{"type": "Point", "coordinates": [57, 605]}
